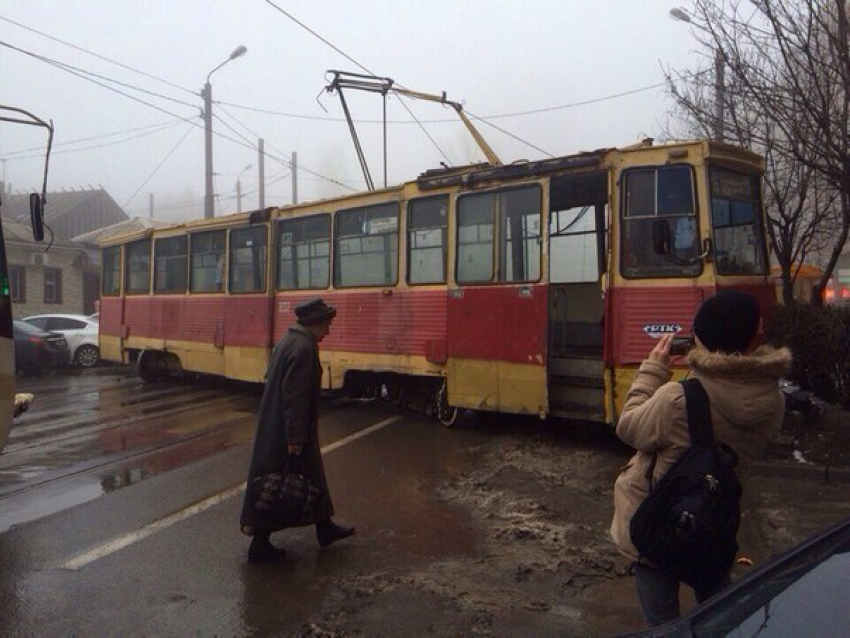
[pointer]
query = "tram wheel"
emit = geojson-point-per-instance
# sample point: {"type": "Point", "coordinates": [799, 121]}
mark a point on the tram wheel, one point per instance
{"type": "Point", "coordinates": [149, 367]}
{"type": "Point", "coordinates": [447, 415]}
{"type": "Point", "coordinates": [394, 389]}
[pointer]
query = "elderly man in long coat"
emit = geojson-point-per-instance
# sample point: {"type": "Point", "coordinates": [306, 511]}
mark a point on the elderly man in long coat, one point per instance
{"type": "Point", "coordinates": [287, 425]}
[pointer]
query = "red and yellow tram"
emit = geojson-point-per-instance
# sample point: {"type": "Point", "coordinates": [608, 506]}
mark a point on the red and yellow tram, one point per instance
{"type": "Point", "coordinates": [530, 288]}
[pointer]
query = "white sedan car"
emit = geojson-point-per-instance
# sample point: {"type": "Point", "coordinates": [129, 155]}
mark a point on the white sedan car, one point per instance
{"type": "Point", "coordinates": [80, 331]}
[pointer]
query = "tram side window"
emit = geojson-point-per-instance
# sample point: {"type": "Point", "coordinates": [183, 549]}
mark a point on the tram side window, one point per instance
{"type": "Point", "coordinates": [111, 280]}
{"type": "Point", "coordinates": [169, 275]}
{"type": "Point", "coordinates": [735, 219]}
{"type": "Point", "coordinates": [367, 246]}
{"type": "Point", "coordinates": [521, 235]}
{"type": "Point", "coordinates": [137, 272]}
{"type": "Point", "coordinates": [651, 195]}
{"type": "Point", "coordinates": [248, 259]}
{"type": "Point", "coordinates": [426, 224]}
{"type": "Point", "coordinates": [475, 215]}
{"type": "Point", "coordinates": [519, 216]}
{"type": "Point", "coordinates": [208, 261]}
{"type": "Point", "coordinates": [304, 253]}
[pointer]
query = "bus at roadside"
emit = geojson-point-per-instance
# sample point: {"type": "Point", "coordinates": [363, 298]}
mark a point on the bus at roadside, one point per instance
{"type": "Point", "coordinates": [11, 403]}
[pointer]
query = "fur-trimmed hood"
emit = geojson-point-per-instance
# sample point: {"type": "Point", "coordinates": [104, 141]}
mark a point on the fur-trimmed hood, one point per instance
{"type": "Point", "coordinates": [764, 362]}
{"type": "Point", "coordinates": [742, 387]}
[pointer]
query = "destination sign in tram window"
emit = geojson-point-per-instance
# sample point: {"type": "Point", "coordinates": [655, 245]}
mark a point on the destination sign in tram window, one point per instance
{"type": "Point", "coordinates": [367, 246]}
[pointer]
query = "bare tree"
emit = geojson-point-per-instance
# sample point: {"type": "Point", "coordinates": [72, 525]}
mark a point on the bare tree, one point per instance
{"type": "Point", "coordinates": [781, 84]}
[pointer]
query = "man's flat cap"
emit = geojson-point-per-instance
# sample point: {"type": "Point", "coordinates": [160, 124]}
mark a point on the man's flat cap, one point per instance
{"type": "Point", "coordinates": [314, 312]}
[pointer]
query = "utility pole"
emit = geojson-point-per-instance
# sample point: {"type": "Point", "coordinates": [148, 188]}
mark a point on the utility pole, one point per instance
{"type": "Point", "coordinates": [208, 189]}
{"type": "Point", "coordinates": [261, 166]}
{"type": "Point", "coordinates": [206, 94]}
{"type": "Point", "coordinates": [719, 94]}
{"type": "Point", "coordinates": [294, 177]}
{"type": "Point", "coordinates": [150, 205]}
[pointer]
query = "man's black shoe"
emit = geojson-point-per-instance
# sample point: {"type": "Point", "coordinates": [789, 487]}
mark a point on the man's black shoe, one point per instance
{"type": "Point", "coordinates": [328, 532]}
{"type": "Point", "coordinates": [264, 552]}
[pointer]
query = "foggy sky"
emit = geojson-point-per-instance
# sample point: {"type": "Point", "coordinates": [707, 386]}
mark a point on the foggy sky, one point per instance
{"type": "Point", "coordinates": [497, 57]}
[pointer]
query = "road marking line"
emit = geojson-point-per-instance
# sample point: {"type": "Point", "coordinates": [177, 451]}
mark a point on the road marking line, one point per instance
{"type": "Point", "coordinates": [119, 543]}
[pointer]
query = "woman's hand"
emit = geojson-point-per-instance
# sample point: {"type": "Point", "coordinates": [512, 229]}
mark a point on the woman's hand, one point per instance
{"type": "Point", "coordinates": [661, 351]}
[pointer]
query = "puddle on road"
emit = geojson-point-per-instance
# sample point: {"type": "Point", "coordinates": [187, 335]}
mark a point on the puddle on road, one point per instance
{"type": "Point", "coordinates": [52, 497]}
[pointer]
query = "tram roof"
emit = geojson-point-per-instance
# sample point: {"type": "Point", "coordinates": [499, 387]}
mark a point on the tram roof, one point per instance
{"type": "Point", "coordinates": [473, 174]}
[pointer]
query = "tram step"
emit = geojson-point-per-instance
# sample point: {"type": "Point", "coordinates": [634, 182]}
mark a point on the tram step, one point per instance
{"type": "Point", "coordinates": [563, 381]}
{"type": "Point", "coordinates": [574, 396]}
{"type": "Point", "coordinates": [576, 367]}
{"type": "Point", "coordinates": [578, 412]}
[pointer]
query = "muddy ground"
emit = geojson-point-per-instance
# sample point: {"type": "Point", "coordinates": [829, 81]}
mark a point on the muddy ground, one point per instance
{"type": "Point", "coordinates": [542, 505]}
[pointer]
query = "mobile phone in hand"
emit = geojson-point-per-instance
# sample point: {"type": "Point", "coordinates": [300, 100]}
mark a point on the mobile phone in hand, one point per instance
{"type": "Point", "coordinates": [681, 345]}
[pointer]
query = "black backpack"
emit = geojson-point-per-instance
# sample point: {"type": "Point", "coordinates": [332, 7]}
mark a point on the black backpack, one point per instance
{"type": "Point", "coordinates": [688, 523]}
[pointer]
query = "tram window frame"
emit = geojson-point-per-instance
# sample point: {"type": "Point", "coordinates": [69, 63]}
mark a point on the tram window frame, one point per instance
{"type": "Point", "coordinates": [132, 273]}
{"type": "Point", "coordinates": [257, 269]}
{"type": "Point", "coordinates": [207, 263]}
{"type": "Point", "coordinates": [417, 272]}
{"type": "Point", "coordinates": [383, 244]}
{"type": "Point", "coordinates": [496, 216]}
{"type": "Point", "coordinates": [306, 235]}
{"type": "Point", "coordinates": [735, 200]}
{"type": "Point", "coordinates": [110, 285]}
{"type": "Point", "coordinates": [168, 279]}
{"type": "Point", "coordinates": [639, 211]}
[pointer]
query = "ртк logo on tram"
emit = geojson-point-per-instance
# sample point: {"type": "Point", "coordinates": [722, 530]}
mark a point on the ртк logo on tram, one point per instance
{"type": "Point", "coordinates": [530, 288]}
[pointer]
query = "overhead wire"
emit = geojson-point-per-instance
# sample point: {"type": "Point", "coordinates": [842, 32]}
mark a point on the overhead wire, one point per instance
{"type": "Point", "coordinates": [77, 71]}
{"type": "Point", "coordinates": [360, 66]}
{"type": "Point", "coordinates": [97, 146]}
{"type": "Point", "coordinates": [287, 163]}
{"type": "Point", "coordinates": [95, 137]}
{"type": "Point", "coordinates": [85, 76]}
{"type": "Point", "coordinates": [496, 116]}
{"type": "Point", "coordinates": [160, 165]}
{"type": "Point", "coordinates": [367, 70]}
{"type": "Point", "coordinates": [97, 55]}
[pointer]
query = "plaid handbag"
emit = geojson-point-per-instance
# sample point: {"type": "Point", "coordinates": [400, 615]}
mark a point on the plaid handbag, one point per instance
{"type": "Point", "coordinates": [287, 497]}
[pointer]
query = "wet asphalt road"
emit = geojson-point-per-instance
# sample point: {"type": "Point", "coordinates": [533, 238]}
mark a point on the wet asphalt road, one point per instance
{"type": "Point", "coordinates": [119, 506]}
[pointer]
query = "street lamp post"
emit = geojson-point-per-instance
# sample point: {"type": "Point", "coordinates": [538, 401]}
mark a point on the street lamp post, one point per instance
{"type": "Point", "coordinates": [206, 94]}
{"type": "Point", "coordinates": [239, 188]}
{"type": "Point", "coordinates": [680, 14]}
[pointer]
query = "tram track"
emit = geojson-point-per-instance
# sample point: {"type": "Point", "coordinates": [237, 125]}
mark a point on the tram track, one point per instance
{"type": "Point", "coordinates": [80, 425]}
{"type": "Point", "coordinates": [119, 432]}
{"type": "Point", "coordinates": [110, 419]}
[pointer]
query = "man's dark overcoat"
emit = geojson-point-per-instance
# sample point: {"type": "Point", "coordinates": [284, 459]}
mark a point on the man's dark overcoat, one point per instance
{"type": "Point", "coordinates": [289, 414]}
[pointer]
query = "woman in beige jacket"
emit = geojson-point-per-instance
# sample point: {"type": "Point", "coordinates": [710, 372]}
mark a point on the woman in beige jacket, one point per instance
{"type": "Point", "coordinates": [746, 410]}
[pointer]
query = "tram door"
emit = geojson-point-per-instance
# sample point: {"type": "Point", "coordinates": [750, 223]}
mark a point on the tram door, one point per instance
{"type": "Point", "coordinates": [577, 259]}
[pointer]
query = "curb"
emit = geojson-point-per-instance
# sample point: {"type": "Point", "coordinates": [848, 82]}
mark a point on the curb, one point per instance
{"type": "Point", "coordinates": [826, 474]}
